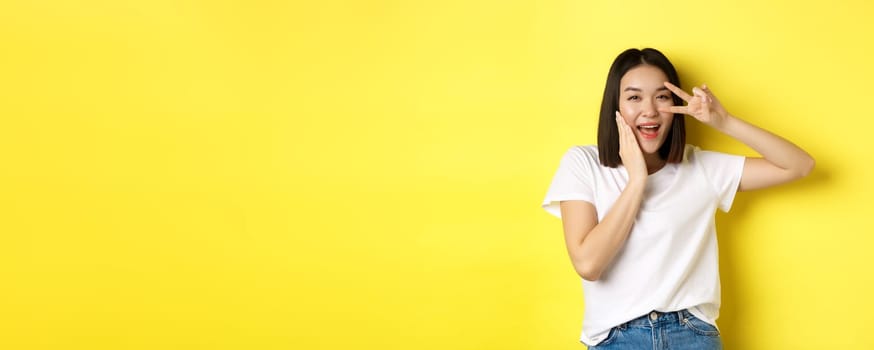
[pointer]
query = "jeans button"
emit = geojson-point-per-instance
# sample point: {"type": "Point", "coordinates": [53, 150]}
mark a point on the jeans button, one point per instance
{"type": "Point", "coordinates": [653, 315]}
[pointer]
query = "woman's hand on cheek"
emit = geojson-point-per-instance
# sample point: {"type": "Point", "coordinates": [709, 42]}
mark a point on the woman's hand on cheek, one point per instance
{"type": "Point", "coordinates": [629, 150]}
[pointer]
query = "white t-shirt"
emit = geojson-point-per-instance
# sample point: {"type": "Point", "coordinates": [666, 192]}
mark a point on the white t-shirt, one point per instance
{"type": "Point", "coordinates": [670, 260]}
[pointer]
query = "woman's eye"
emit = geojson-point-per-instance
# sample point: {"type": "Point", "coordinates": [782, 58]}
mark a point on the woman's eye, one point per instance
{"type": "Point", "coordinates": [633, 98]}
{"type": "Point", "coordinates": [664, 97]}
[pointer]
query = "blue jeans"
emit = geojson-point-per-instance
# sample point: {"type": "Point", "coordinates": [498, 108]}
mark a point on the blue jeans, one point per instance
{"type": "Point", "coordinates": [661, 331]}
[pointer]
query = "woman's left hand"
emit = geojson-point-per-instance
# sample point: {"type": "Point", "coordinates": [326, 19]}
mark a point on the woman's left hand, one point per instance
{"type": "Point", "coordinates": [701, 105]}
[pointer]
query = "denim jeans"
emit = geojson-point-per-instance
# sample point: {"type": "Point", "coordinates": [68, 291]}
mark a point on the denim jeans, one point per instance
{"type": "Point", "coordinates": [657, 331]}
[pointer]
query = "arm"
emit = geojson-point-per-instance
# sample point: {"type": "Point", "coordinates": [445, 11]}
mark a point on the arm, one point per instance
{"type": "Point", "coordinates": [592, 245]}
{"type": "Point", "coordinates": [781, 161]}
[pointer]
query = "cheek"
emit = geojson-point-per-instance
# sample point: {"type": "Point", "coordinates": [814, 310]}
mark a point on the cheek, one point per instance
{"type": "Point", "coordinates": [628, 111]}
{"type": "Point", "coordinates": [666, 105]}
{"type": "Point", "coordinates": [669, 122]}
{"type": "Point", "coordinates": [627, 114]}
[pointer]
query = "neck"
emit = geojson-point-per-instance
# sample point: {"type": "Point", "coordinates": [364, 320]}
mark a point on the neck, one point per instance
{"type": "Point", "coordinates": [653, 162]}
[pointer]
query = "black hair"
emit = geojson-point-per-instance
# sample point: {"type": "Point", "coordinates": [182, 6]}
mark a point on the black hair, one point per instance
{"type": "Point", "coordinates": [608, 133]}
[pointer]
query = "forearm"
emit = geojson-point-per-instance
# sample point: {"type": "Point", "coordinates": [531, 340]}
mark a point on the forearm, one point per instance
{"type": "Point", "coordinates": [775, 149]}
{"type": "Point", "coordinates": [598, 248]}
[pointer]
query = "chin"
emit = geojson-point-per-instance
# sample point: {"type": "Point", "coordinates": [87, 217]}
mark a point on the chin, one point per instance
{"type": "Point", "coordinates": [651, 148]}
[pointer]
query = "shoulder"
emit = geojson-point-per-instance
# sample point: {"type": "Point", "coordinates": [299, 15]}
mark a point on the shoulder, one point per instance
{"type": "Point", "coordinates": [582, 153]}
{"type": "Point", "coordinates": [695, 154]}
{"type": "Point", "coordinates": [580, 159]}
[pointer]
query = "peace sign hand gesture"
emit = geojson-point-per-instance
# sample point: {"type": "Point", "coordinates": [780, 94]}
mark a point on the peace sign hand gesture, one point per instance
{"type": "Point", "coordinates": [701, 105]}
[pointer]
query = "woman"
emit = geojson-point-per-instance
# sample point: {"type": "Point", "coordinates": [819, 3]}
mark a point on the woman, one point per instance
{"type": "Point", "coordinates": [638, 209]}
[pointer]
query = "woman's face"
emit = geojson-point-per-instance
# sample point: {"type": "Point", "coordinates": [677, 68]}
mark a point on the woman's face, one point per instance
{"type": "Point", "coordinates": [641, 94]}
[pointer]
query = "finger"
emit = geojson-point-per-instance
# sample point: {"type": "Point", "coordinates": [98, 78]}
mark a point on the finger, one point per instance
{"type": "Point", "coordinates": [677, 91]}
{"type": "Point", "coordinates": [705, 97]}
{"type": "Point", "coordinates": [626, 135]}
{"type": "Point", "coordinates": [620, 121]}
{"type": "Point", "coordinates": [622, 127]}
{"type": "Point", "coordinates": [623, 131]}
{"type": "Point", "coordinates": [710, 95]}
{"type": "Point", "coordinates": [619, 124]}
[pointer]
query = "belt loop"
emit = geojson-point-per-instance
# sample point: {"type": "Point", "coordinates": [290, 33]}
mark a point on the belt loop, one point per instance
{"type": "Point", "coordinates": [681, 315]}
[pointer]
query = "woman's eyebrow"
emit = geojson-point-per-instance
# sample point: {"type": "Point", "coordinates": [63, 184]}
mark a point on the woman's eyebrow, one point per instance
{"type": "Point", "coordinates": [632, 88]}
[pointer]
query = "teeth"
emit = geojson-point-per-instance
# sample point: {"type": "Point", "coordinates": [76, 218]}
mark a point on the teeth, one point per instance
{"type": "Point", "coordinates": [649, 126]}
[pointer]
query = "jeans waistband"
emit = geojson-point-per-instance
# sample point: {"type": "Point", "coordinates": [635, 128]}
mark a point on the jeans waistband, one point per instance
{"type": "Point", "coordinates": [654, 318]}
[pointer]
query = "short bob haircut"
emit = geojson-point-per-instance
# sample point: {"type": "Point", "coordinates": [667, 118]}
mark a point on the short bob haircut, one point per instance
{"type": "Point", "coordinates": [608, 133]}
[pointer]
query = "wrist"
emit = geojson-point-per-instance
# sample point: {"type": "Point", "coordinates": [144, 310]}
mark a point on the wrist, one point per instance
{"type": "Point", "coordinates": [636, 183]}
{"type": "Point", "coordinates": [722, 122]}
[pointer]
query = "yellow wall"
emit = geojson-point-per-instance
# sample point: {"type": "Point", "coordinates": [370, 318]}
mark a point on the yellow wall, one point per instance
{"type": "Point", "coordinates": [367, 175]}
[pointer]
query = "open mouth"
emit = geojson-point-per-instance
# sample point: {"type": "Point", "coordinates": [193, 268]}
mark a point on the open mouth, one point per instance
{"type": "Point", "coordinates": [649, 131]}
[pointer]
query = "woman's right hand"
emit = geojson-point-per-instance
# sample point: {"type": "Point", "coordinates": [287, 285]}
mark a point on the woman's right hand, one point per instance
{"type": "Point", "coordinates": [629, 151]}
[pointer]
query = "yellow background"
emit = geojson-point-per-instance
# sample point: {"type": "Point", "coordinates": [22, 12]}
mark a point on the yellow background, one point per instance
{"type": "Point", "coordinates": [368, 175]}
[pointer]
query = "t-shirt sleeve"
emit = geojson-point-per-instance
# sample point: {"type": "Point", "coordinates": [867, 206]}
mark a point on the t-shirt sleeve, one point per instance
{"type": "Point", "coordinates": [723, 171]}
{"type": "Point", "coordinates": [572, 181]}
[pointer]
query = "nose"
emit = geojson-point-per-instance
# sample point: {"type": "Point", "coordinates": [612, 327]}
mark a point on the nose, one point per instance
{"type": "Point", "coordinates": [649, 109]}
